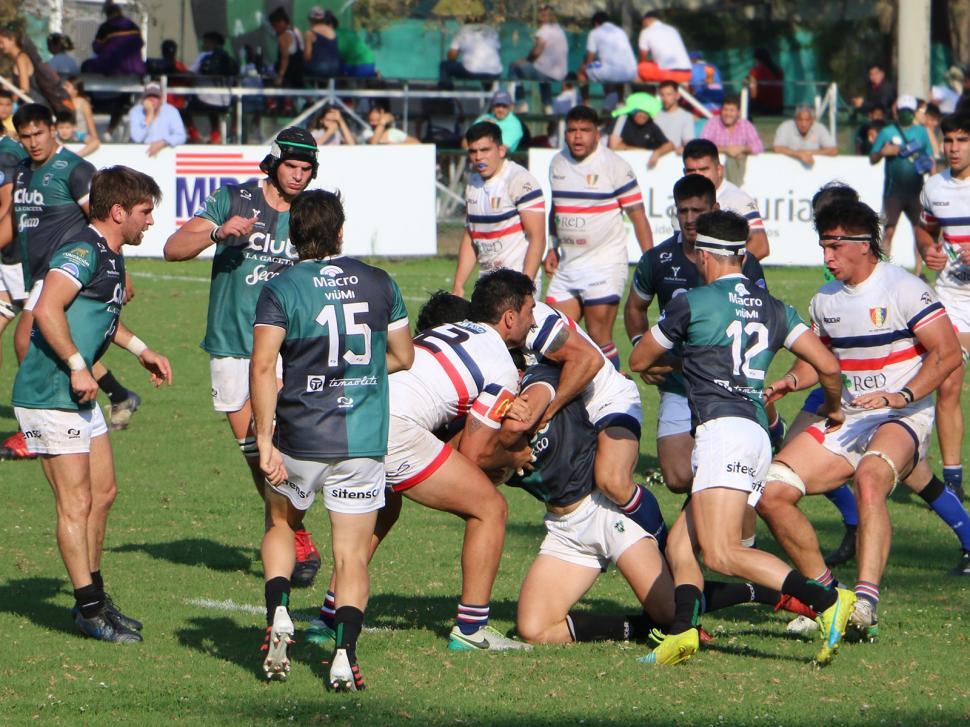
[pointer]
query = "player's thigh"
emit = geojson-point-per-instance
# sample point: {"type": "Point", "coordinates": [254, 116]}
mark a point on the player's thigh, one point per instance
{"type": "Point", "coordinates": [617, 451]}
{"type": "Point", "coordinates": [674, 453]}
{"type": "Point", "coordinates": [600, 318]}
{"type": "Point", "coordinates": [458, 487]}
{"type": "Point", "coordinates": [718, 515]}
{"type": "Point", "coordinates": [645, 569]}
{"type": "Point", "coordinates": [551, 587]}
{"type": "Point", "coordinates": [570, 306]}
{"type": "Point", "coordinates": [102, 466]}
{"type": "Point", "coordinates": [280, 510]}
{"type": "Point", "coordinates": [819, 468]}
{"type": "Point", "coordinates": [69, 476]}
{"type": "Point", "coordinates": [351, 534]}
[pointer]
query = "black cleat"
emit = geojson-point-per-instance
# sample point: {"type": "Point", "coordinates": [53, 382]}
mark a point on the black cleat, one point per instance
{"type": "Point", "coordinates": [307, 560]}
{"type": "Point", "coordinates": [963, 567]}
{"type": "Point", "coordinates": [846, 550]}
{"type": "Point", "coordinates": [132, 624]}
{"type": "Point", "coordinates": [103, 628]}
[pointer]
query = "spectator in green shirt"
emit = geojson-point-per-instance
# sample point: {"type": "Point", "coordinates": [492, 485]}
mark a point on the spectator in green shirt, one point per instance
{"type": "Point", "coordinates": [500, 113]}
{"type": "Point", "coordinates": [356, 59]}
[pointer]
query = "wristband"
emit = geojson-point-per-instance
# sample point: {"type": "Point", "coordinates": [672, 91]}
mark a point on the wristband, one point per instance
{"type": "Point", "coordinates": [794, 379]}
{"type": "Point", "coordinates": [75, 362]}
{"type": "Point", "coordinates": [636, 339]}
{"type": "Point", "coordinates": [214, 236]}
{"type": "Point", "coordinates": [136, 346]}
{"type": "Point", "coordinates": [907, 394]}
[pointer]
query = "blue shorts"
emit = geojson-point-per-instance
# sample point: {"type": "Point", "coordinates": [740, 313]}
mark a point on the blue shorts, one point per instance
{"type": "Point", "coordinates": [814, 400]}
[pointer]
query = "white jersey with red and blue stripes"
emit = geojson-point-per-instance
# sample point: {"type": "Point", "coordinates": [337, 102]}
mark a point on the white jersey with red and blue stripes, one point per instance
{"type": "Point", "coordinates": [588, 199]}
{"type": "Point", "coordinates": [871, 328]}
{"type": "Point", "coordinates": [493, 209]}
{"type": "Point", "coordinates": [459, 368]}
{"type": "Point", "coordinates": [946, 206]}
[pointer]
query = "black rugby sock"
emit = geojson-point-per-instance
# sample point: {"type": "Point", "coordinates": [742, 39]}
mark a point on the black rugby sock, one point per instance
{"type": "Point", "coordinates": [89, 599]}
{"type": "Point", "coordinates": [277, 594]}
{"type": "Point", "coordinates": [97, 580]}
{"type": "Point", "coordinates": [349, 622]}
{"type": "Point", "coordinates": [808, 591]}
{"type": "Point", "coordinates": [687, 607]}
{"type": "Point", "coordinates": [110, 386]}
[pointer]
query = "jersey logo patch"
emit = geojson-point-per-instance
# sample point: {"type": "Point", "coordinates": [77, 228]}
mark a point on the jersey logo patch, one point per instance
{"type": "Point", "coordinates": [877, 316]}
{"type": "Point", "coordinates": [618, 525]}
{"type": "Point", "coordinates": [315, 383]}
{"type": "Point", "coordinates": [495, 202]}
{"type": "Point", "coordinates": [502, 406]}
{"type": "Point", "coordinates": [740, 289]}
{"type": "Point", "coordinates": [331, 271]}
{"type": "Point", "coordinates": [60, 164]}
{"type": "Point", "coordinates": [591, 179]}
{"type": "Point", "coordinates": [666, 257]}
{"type": "Point", "coordinates": [71, 268]}
{"type": "Point", "coordinates": [345, 402]}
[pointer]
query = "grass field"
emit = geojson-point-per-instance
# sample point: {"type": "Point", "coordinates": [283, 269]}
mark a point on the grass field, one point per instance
{"type": "Point", "coordinates": [182, 555]}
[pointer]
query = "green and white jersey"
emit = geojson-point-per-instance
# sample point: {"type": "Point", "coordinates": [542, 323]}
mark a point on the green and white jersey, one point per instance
{"type": "Point", "coordinates": [43, 380]}
{"type": "Point", "coordinates": [242, 265]}
{"type": "Point", "coordinates": [47, 208]}
{"type": "Point", "coordinates": [729, 331]}
{"type": "Point", "coordinates": [11, 153]}
{"type": "Point", "coordinates": [336, 313]}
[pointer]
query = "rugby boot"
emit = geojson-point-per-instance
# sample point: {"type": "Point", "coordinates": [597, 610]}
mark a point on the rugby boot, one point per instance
{"type": "Point", "coordinates": [832, 623]}
{"type": "Point", "coordinates": [484, 639]}
{"type": "Point", "coordinates": [793, 605]}
{"type": "Point", "coordinates": [344, 675]}
{"type": "Point", "coordinates": [963, 567]}
{"type": "Point", "coordinates": [103, 628]}
{"type": "Point", "coordinates": [132, 624]}
{"type": "Point", "coordinates": [15, 447]}
{"type": "Point", "coordinates": [674, 649]}
{"type": "Point", "coordinates": [119, 415]}
{"type": "Point", "coordinates": [279, 635]}
{"type": "Point", "coordinates": [307, 560]}
{"type": "Point", "coordinates": [846, 550]}
{"type": "Point", "coordinates": [863, 624]}
{"type": "Point", "coordinates": [319, 633]}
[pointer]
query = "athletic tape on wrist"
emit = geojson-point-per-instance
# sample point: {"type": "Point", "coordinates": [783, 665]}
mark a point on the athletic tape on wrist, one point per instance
{"type": "Point", "coordinates": [75, 362]}
{"type": "Point", "coordinates": [136, 346]}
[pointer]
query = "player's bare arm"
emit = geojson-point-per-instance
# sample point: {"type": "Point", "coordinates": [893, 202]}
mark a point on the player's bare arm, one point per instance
{"type": "Point", "coordinates": [580, 362]}
{"type": "Point", "coordinates": [466, 263]}
{"type": "Point", "coordinates": [534, 227]}
{"type": "Point", "coordinates": [929, 245]}
{"type": "Point", "coordinates": [758, 244]}
{"type": "Point", "coordinates": [482, 445]}
{"type": "Point", "coordinates": [810, 349]}
{"type": "Point", "coordinates": [647, 352]}
{"type": "Point", "coordinates": [400, 350]}
{"type": "Point", "coordinates": [641, 226]}
{"type": "Point", "coordinates": [267, 341]}
{"type": "Point", "coordinates": [199, 233]}
{"type": "Point", "coordinates": [152, 361]}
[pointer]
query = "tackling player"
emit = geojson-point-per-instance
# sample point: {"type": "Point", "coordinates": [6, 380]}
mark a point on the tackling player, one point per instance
{"type": "Point", "coordinates": [341, 327]}
{"type": "Point", "coordinates": [249, 225]}
{"type": "Point", "coordinates": [76, 317]}
{"type": "Point", "coordinates": [505, 213]}
{"type": "Point", "coordinates": [592, 188]}
{"type": "Point", "coordinates": [729, 330]}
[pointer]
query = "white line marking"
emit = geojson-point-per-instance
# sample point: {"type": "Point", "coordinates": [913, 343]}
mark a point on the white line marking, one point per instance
{"type": "Point", "coordinates": [231, 606]}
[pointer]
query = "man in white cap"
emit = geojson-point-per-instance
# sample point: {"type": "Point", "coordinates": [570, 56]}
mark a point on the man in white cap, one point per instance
{"type": "Point", "coordinates": [155, 122]}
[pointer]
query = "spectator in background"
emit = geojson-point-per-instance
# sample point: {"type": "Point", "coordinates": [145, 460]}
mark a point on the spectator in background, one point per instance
{"type": "Point", "coordinates": [963, 103]}
{"type": "Point", "coordinates": [216, 65]}
{"type": "Point", "coordinates": [6, 113]}
{"type": "Point", "coordinates": [117, 46]}
{"type": "Point", "coordinates": [705, 82]}
{"type": "Point", "coordinates": [86, 131]}
{"type": "Point", "coordinates": [547, 62]}
{"type": "Point", "coordinates": [866, 134]}
{"type": "Point", "coordinates": [500, 114]}
{"type": "Point", "coordinates": [947, 96]}
{"type": "Point", "coordinates": [765, 83]}
{"type": "Point", "coordinates": [903, 144]}
{"type": "Point", "coordinates": [880, 91]}
{"type": "Point", "coordinates": [804, 138]}
{"type": "Point", "coordinates": [155, 122]}
{"type": "Point", "coordinates": [929, 117]}
{"type": "Point", "coordinates": [59, 46]}
{"type": "Point", "coordinates": [330, 128]}
{"type": "Point", "coordinates": [633, 127]}
{"type": "Point", "coordinates": [676, 123]}
{"type": "Point", "coordinates": [65, 122]}
{"type": "Point", "coordinates": [735, 137]}
{"type": "Point", "coordinates": [663, 56]}
{"type": "Point", "coordinates": [609, 58]}
{"type": "Point", "coordinates": [178, 73]}
{"type": "Point", "coordinates": [30, 74]}
{"type": "Point", "coordinates": [289, 65]}
{"type": "Point", "coordinates": [381, 128]}
{"type": "Point", "coordinates": [356, 59]}
{"type": "Point", "coordinates": [320, 44]}
{"type": "Point", "coordinates": [478, 47]}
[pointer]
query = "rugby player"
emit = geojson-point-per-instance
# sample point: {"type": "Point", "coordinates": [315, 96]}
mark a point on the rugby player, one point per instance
{"type": "Point", "coordinates": [945, 202]}
{"type": "Point", "coordinates": [701, 157]}
{"type": "Point", "coordinates": [249, 225]}
{"type": "Point", "coordinates": [76, 317]}
{"type": "Point", "coordinates": [592, 188]}
{"type": "Point", "coordinates": [729, 330]}
{"type": "Point", "coordinates": [341, 327]}
{"type": "Point", "coordinates": [895, 344]}
{"type": "Point", "coordinates": [12, 293]}
{"type": "Point", "coordinates": [505, 212]}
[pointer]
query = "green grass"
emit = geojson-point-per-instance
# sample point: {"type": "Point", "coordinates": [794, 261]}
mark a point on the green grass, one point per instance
{"type": "Point", "coordinates": [187, 525]}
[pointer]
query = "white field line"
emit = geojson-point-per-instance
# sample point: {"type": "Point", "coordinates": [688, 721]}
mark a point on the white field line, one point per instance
{"type": "Point", "coordinates": [231, 606]}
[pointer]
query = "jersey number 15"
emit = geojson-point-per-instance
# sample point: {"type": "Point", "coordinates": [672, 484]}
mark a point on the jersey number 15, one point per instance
{"type": "Point", "coordinates": [328, 319]}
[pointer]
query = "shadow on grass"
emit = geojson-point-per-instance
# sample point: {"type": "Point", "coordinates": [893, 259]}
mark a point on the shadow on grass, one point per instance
{"type": "Point", "coordinates": [749, 652]}
{"type": "Point", "coordinates": [197, 551]}
{"type": "Point", "coordinates": [222, 638]}
{"type": "Point", "coordinates": [31, 598]}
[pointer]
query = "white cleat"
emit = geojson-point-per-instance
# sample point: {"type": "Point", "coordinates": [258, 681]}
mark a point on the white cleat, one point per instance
{"type": "Point", "coordinates": [485, 639]}
{"type": "Point", "coordinates": [344, 675]}
{"type": "Point", "coordinates": [276, 665]}
{"type": "Point", "coordinates": [802, 626]}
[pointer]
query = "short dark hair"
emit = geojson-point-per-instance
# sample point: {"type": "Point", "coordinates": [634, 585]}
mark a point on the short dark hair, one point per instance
{"type": "Point", "coordinates": [833, 192]}
{"type": "Point", "coordinates": [4, 93]}
{"type": "Point", "coordinates": [651, 14]}
{"type": "Point", "coordinates": [442, 307]}
{"type": "Point", "coordinates": [959, 121]}
{"type": "Point", "coordinates": [583, 113]}
{"type": "Point", "coordinates": [483, 130]}
{"type": "Point", "coordinates": [669, 84]}
{"type": "Point", "coordinates": [731, 99]}
{"type": "Point", "coordinates": [701, 149]}
{"type": "Point", "coordinates": [65, 116]}
{"type": "Point", "coordinates": [316, 218]}
{"type": "Point", "coordinates": [120, 185]}
{"type": "Point", "coordinates": [279, 16]}
{"type": "Point", "coordinates": [497, 292]}
{"type": "Point", "coordinates": [599, 17]}
{"type": "Point", "coordinates": [216, 37]}
{"type": "Point", "coordinates": [33, 113]}
{"type": "Point", "coordinates": [852, 216]}
{"type": "Point", "coordinates": [695, 185]}
{"type": "Point", "coordinates": [877, 64]}
{"type": "Point", "coordinates": [724, 225]}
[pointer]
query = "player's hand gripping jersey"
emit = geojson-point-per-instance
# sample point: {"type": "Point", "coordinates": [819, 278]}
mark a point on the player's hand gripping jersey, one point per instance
{"type": "Point", "coordinates": [492, 209]}
{"type": "Point", "coordinates": [588, 200]}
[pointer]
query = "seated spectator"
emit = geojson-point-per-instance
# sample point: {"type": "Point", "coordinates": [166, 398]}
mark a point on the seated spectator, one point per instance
{"type": "Point", "coordinates": [67, 133]}
{"type": "Point", "coordinates": [178, 73]}
{"type": "Point", "coordinates": [330, 128]}
{"type": "Point", "coordinates": [663, 56]}
{"type": "Point", "coordinates": [6, 113]}
{"type": "Point", "coordinates": [866, 134]}
{"type": "Point", "coordinates": [765, 85]}
{"type": "Point", "coordinates": [155, 122]}
{"type": "Point", "coordinates": [117, 46]}
{"type": "Point", "coordinates": [500, 114]}
{"type": "Point", "coordinates": [880, 91]}
{"type": "Point", "coordinates": [547, 62]}
{"type": "Point", "coordinates": [633, 127]}
{"type": "Point", "coordinates": [676, 123]}
{"type": "Point", "coordinates": [804, 138]}
{"type": "Point", "coordinates": [356, 59]}
{"type": "Point", "coordinates": [609, 56]}
{"type": "Point", "coordinates": [320, 44]}
{"type": "Point", "coordinates": [289, 65]}
{"type": "Point", "coordinates": [59, 46]}
{"type": "Point", "coordinates": [734, 136]}
{"type": "Point", "coordinates": [217, 66]}
{"type": "Point", "coordinates": [30, 74]}
{"type": "Point", "coordinates": [705, 82]}
{"type": "Point", "coordinates": [381, 129]}
{"type": "Point", "coordinates": [86, 131]}
{"type": "Point", "coordinates": [477, 46]}
{"type": "Point", "coordinates": [568, 97]}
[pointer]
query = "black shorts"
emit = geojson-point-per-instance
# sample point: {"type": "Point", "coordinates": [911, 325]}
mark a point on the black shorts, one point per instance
{"type": "Point", "coordinates": [893, 206]}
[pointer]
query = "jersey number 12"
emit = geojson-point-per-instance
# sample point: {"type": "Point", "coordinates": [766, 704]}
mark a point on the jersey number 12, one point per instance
{"type": "Point", "coordinates": [742, 359]}
{"type": "Point", "coordinates": [328, 319]}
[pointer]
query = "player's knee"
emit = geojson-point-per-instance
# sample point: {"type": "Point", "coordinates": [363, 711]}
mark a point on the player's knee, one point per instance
{"type": "Point", "coordinates": [720, 559]}
{"type": "Point", "coordinates": [492, 507]}
{"type": "Point", "coordinates": [530, 628]}
{"type": "Point", "coordinates": [677, 478]}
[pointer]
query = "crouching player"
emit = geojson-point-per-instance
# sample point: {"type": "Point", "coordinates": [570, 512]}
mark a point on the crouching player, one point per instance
{"type": "Point", "coordinates": [327, 439]}
{"type": "Point", "coordinates": [729, 330]}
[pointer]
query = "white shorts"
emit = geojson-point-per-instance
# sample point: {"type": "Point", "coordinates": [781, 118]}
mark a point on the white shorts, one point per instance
{"type": "Point", "coordinates": [599, 285]}
{"type": "Point", "coordinates": [230, 381]}
{"type": "Point", "coordinates": [60, 431]}
{"type": "Point", "coordinates": [614, 401]}
{"type": "Point", "coordinates": [608, 73]}
{"type": "Point", "coordinates": [353, 486]}
{"type": "Point", "coordinates": [673, 416]}
{"type": "Point", "coordinates": [851, 440]}
{"type": "Point", "coordinates": [593, 535]}
{"type": "Point", "coordinates": [731, 452]}
{"type": "Point", "coordinates": [34, 295]}
{"type": "Point", "coordinates": [957, 308]}
{"type": "Point", "coordinates": [413, 454]}
{"type": "Point", "coordinates": [12, 281]}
